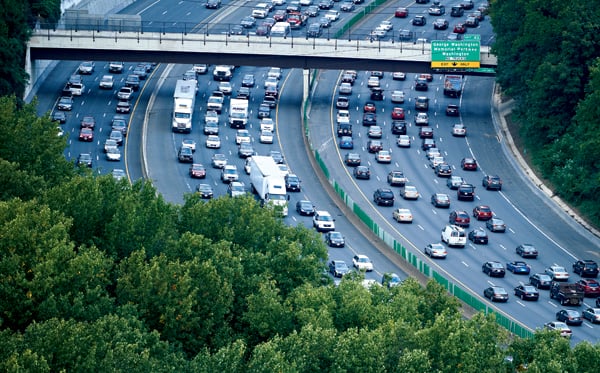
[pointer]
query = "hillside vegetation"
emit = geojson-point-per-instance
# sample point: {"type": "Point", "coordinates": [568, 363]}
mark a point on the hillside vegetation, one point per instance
{"type": "Point", "coordinates": [548, 61]}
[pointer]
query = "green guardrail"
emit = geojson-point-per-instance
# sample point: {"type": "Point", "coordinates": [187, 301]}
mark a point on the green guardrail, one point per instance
{"type": "Point", "coordinates": [359, 16]}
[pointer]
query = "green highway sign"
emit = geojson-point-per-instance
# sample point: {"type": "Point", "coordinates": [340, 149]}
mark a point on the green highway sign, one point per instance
{"type": "Point", "coordinates": [455, 53]}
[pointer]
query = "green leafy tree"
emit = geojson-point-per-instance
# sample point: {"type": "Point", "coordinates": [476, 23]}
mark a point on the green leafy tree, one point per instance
{"type": "Point", "coordinates": [32, 143]}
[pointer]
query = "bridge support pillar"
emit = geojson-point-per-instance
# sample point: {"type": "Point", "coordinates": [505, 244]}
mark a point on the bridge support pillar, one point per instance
{"type": "Point", "coordinates": [305, 83]}
{"type": "Point", "coordinates": [29, 64]}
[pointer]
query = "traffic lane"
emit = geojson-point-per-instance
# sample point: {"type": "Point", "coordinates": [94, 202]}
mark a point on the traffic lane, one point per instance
{"type": "Point", "coordinates": [478, 264]}
{"type": "Point", "coordinates": [386, 13]}
{"type": "Point", "coordinates": [426, 180]}
{"type": "Point", "coordinates": [97, 103]}
{"type": "Point", "coordinates": [314, 191]}
{"type": "Point", "coordinates": [494, 157]}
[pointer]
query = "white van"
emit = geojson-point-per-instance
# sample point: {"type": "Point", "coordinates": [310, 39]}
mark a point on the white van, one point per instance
{"type": "Point", "coordinates": [280, 30]}
{"type": "Point", "coordinates": [454, 235]}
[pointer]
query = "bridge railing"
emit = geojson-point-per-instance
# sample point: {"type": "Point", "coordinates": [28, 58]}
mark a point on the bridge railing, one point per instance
{"type": "Point", "coordinates": [347, 31]}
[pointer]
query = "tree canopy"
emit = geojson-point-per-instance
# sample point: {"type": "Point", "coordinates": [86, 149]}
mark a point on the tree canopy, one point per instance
{"type": "Point", "coordinates": [100, 275]}
{"type": "Point", "coordinates": [548, 60]}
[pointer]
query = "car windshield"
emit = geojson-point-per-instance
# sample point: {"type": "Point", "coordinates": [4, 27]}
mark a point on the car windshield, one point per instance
{"type": "Point", "coordinates": [325, 217]}
{"type": "Point", "coordinates": [335, 235]}
{"type": "Point", "coordinates": [544, 278]}
{"type": "Point", "coordinates": [496, 265]}
{"type": "Point", "coordinates": [529, 289]}
{"type": "Point", "coordinates": [500, 291]}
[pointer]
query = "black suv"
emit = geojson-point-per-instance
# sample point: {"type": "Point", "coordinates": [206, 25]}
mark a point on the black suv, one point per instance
{"type": "Point", "coordinates": [344, 129]}
{"type": "Point", "coordinates": [398, 127]}
{"type": "Point", "coordinates": [376, 94]}
{"type": "Point", "coordinates": [384, 196]}
{"type": "Point", "coordinates": [292, 183]}
{"type": "Point", "coordinates": [466, 192]}
{"type": "Point", "coordinates": [421, 84]}
{"type": "Point", "coordinates": [419, 21]}
{"type": "Point", "coordinates": [457, 11]}
{"type": "Point", "coordinates": [586, 268]}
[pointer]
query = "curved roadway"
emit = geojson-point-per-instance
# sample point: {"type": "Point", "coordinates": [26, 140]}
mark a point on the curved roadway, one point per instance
{"type": "Point", "coordinates": [520, 204]}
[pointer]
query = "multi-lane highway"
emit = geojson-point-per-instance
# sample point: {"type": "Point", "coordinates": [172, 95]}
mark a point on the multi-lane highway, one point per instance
{"type": "Point", "coordinates": [530, 218]}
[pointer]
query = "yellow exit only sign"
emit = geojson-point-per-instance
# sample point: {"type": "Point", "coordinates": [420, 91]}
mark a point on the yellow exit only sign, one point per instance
{"type": "Point", "coordinates": [455, 64]}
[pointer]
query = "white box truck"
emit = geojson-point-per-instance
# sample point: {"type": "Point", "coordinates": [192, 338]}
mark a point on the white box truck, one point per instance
{"type": "Point", "coordinates": [268, 182]}
{"type": "Point", "coordinates": [238, 113]}
{"type": "Point", "coordinates": [184, 99]}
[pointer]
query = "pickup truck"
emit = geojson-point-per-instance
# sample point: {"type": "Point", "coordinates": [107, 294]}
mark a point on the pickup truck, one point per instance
{"type": "Point", "coordinates": [566, 294]}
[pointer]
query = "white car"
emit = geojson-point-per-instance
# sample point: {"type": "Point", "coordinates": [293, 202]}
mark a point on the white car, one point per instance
{"type": "Point", "coordinates": [403, 141]}
{"type": "Point", "coordinates": [398, 97]}
{"type": "Point", "coordinates": [113, 154]}
{"type": "Point", "coordinates": [332, 15]}
{"type": "Point", "coordinates": [306, 2]}
{"type": "Point", "coordinates": [225, 87]}
{"type": "Point", "coordinates": [345, 89]}
{"type": "Point", "coordinates": [267, 124]}
{"type": "Point", "coordinates": [409, 192]}
{"type": "Point", "coordinates": [107, 82]}
{"type": "Point", "coordinates": [421, 119]}
{"type": "Point", "coordinates": [373, 82]}
{"type": "Point", "coordinates": [432, 153]}
{"type": "Point", "coordinates": [271, 82]}
{"type": "Point", "coordinates": [343, 116]}
{"type": "Point", "coordinates": [266, 137]}
{"type": "Point", "coordinates": [386, 25]}
{"type": "Point", "coordinates": [459, 129]}
{"type": "Point", "coordinates": [189, 143]}
{"type": "Point", "coordinates": [274, 72]}
{"type": "Point", "coordinates": [398, 75]}
{"type": "Point", "coordinates": [557, 273]}
{"type": "Point", "coordinates": [564, 330]}
{"type": "Point", "coordinates": [218, 160]}
{"type": "Point", "coordinates": [362, 263]}
{"type": "Point", "coordinates": [323, 221]}
{"type": "Point", "coordinates": [436, 250]}
{"type": "Point", "coordinates": [213, 142]}
{"type": "Point", "coordinates": [211, 116]}
{"type": "Point", "coordinates": [242, 136]}
{"type": "Point", "coordinates": [378, 32]}
{"type": "Point", "coordinates": [403, 215]}
{"type": "Point", "coordinates": [86, 68]}
{"type": "Point", "coordinates": [384, 156]}
{"type": "Point", "coordinates": [436, 160]}
{"type": "Point", "coordinates": [229, 173]}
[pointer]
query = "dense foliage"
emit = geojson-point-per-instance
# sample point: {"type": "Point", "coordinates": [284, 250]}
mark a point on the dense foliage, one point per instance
{"type": "Point", "coordinates": [101, 275]}
{"type": "Point", "coordinates": [16, 21]}
{"type": "Point", "coordinates": [549, 60]}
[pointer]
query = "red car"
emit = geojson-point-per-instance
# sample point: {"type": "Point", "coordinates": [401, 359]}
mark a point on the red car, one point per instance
{"type": "Point", "coordinates": [482, 212]}
{"type": "Point", "coordinates": [460, 218]}
{"type": "Point", "coordinates": [88, 122]}
{"type": "Point", "coordinates": [398, 113]}
{"type": "Point", "coordinates": [86, 134]}
{"type": "Point", "coordinates": [460, 28]}
{"type": "Point", "coordinates": [280, 15]}
{"type": "Point", "coordinates": [197, 171]}
{"type": "Point", "coordinates": [369, 107]}
{"type": "Point", "coordinates": [469, 164]}
{"type": "Point", "coordinates": [401, 12]}
{"type": "Point", "coordinates": [591, 288]}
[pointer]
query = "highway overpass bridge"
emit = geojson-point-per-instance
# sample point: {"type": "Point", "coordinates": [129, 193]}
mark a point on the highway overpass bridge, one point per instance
{"type": "Point", "coordinates": [240, 50]}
